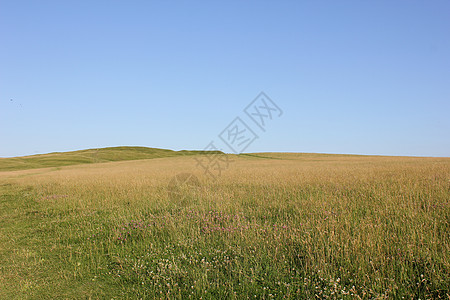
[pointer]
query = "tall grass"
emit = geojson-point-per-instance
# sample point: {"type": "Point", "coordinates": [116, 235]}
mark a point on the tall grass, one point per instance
{"type": "Point", "coordinates": [299, 226]}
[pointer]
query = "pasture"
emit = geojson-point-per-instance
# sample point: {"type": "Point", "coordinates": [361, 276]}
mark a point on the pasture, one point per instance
{"type": "Point", "coordinates": [273, 225]}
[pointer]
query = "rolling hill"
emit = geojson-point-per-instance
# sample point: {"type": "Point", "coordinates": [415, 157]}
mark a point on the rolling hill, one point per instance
{"type": "Point", "coordinates": [88, 156]}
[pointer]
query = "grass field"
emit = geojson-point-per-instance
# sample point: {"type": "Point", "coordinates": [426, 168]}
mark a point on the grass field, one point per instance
{"type": "Point", "coordinates": [89, 156]}
{"type": "Point", "coordinates": [274, 225]}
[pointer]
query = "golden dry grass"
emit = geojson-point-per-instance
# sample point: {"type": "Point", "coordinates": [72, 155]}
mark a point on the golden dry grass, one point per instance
{"type": "Point", "coordinates": [272, 225]}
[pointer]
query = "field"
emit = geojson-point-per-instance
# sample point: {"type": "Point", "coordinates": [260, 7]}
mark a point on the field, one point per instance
{"type": "Point", "coordinates": [273, 225]}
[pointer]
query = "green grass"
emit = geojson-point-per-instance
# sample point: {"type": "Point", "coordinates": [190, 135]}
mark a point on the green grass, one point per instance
{"type": "Point", "coordinates": [59, 159]}
{"type": "Point", "coordinates": [299, 227]}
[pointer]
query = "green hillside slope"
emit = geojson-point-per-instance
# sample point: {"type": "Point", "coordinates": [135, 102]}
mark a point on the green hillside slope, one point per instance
{"type": "Point", "coordinates": [88, 156]}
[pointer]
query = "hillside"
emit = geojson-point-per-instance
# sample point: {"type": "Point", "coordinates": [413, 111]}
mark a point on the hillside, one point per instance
{"type": "Point", "coordinates": [88, 156]}
{"type": "Point", "coordinates": [300, 225]}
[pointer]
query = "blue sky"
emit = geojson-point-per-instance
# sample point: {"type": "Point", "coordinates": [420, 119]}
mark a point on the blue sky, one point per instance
{"type": "Point", "coordinates": [364, 77]}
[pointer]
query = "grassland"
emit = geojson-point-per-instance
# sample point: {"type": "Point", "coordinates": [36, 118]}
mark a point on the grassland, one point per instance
{"type": "Point", "coordinates": [273, 225]}
{"type": "Point", "coordinates": [58, 159]}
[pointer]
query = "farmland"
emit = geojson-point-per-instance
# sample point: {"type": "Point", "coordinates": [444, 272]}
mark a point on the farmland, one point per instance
{"type": "Point", "coordinates": [273, 225]}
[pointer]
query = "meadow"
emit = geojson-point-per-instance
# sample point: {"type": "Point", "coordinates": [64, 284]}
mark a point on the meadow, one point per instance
{"type": "Point", "coordinates": [273, 225]}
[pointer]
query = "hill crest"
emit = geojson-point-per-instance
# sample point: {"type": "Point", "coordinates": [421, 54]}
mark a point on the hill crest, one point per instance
{"type": "Point", "coordinates": [88, 156]}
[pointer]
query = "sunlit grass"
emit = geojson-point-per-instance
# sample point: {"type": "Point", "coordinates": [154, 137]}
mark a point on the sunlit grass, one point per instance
{"type": "Point", "coordinates": [297, 226]}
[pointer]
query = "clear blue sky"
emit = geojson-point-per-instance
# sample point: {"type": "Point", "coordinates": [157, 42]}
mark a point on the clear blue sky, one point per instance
{"type": "Point", "coordinates": [366, 77]}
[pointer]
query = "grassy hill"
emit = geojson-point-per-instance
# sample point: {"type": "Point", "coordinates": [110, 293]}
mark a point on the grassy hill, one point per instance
{"type": "Point", "coordinates": [58, 159]}
{"type": "Point", "coordinates": [125, 153]}
{"type": "Point", "coordinates": [271, 225]}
